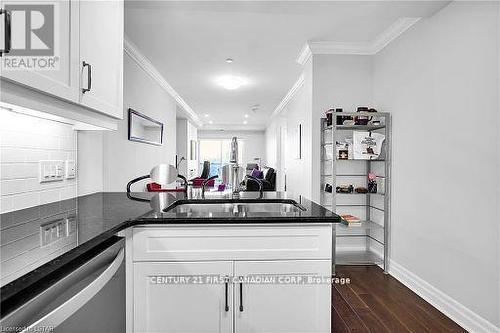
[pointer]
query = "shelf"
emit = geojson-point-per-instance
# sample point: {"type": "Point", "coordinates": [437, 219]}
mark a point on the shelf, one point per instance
{"type": "Point", "coordinates": [357, 258]}
{"type": "Point", "coordinates": [358, 193]}
{"type": "Point", "coordinates": [327, 144]}
{"type": "Point", "coordinates": [359, 127]}
{"type": "Point", "coordinates": [361, 160]}
{"type": "Point", "coordinates": [355, 127]}
{"type": "Point", "coordinates": [363, 226]}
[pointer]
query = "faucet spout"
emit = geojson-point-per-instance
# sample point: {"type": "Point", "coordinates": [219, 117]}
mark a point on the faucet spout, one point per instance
{"type": "Point", "coordinates": [233, 161]}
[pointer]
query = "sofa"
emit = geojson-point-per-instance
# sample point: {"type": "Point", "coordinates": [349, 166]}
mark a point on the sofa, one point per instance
{"type": "Point", "coordinates": [268, 180]}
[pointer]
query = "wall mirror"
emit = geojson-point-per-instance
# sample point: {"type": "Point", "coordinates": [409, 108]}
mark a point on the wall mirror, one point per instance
{"type": "Point", "coordinates": [142, 128]}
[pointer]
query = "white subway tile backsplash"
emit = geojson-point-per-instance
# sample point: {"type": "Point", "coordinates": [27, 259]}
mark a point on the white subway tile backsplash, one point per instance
{"type": "Point", "coordinates": [24, 141]}
{"type": "Point", "coordinates": [12, 155]}
{"type": "Point", "coordinates": [26, 200]}
{"type": "Point", "coordinates": [49, 196]}
{"type": "Point", "coordinates": [18, 170]}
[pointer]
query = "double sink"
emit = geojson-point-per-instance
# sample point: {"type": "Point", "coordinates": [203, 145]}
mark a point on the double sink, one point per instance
{"type": "Point", "coordinates": [235, 206]}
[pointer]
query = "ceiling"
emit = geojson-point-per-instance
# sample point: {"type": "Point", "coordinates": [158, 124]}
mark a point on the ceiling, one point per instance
{"type": "Point", "coordinates": [188, 42]}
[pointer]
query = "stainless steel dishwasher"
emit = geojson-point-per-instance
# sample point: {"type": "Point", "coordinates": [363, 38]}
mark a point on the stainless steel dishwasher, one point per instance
{"type": "Point", "coordinates": [89, 299]}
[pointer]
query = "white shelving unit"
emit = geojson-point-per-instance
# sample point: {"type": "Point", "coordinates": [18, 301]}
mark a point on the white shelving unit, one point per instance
{"type": "Point", "coordinates": [366, 243]}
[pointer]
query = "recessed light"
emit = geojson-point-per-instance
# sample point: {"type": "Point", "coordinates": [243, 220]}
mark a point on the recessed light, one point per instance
{"type": "Point", "coordinates": [245, 122]}
{"type": "Point", "coordinates": [230, 82]}
{"type": "Point", "coordinates": [206, 115]}
{"type": "Point", "coordinates": [246, 116]}
{"type": "Point", "coordinates": [210, 122]}
{"type": "Point", "coordinates": [229, 60]}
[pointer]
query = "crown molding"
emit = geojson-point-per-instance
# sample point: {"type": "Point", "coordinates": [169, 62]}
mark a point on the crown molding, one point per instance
{"type": "Point", "coordinates": [358, 48]}
{"type": "Point", "coordinates": [232, 128]}
{"type": "Point", "coordinates": [394, 31]}
{"type": "Point", "coordinates": [131, 49]}
{"type": "Point", "coordinates": [289, 95]}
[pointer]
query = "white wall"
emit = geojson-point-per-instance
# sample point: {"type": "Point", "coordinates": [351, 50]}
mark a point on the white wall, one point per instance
{"type": "Point", "coordinates": [255, 141]}
{"type": "Point", "coordinates": [90, 162]}
{"type": "Point", "coordinates": [339, 81]}
{"type": "Point", "coordinates": [186, 132]}
{"type": "Point", "coordinates": [440, 82]}
{"type": "Point", "coordinates": [24, 141]}
{"type": "Point", "coordinates": [123, 160]}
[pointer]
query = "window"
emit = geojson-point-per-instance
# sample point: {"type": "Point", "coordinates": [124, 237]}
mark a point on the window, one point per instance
{"type": "Point", "coordinates": [217, 152]}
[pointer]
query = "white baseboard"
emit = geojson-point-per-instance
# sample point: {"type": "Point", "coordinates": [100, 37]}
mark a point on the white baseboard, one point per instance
{"type": "Point", "coordinates": [465, 317]}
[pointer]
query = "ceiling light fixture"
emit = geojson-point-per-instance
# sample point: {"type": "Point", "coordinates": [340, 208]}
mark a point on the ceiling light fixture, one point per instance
{"type": "Point", "coordinates": [246, 115]}
{"type": "Point", "coordinates": [230, 82]}
{"type": "Point", "coordinates": [210, 122]}
{"type": "Point", "coordinates": [229, 60]}
{"type": "Point", "coordinates": [245, 122]}
{"type": "Point", "coordinates": [206, 115]}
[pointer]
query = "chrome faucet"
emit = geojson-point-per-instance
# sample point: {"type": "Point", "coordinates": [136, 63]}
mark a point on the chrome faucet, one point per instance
{"type": "Point", "coordinates": [233, 162]}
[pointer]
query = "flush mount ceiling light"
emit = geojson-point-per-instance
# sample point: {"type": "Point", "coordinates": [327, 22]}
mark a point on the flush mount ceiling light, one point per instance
{"type": "Point", "coordinates": [230, 82]}
{"type": "Point", "coordinates": [206, 115]}
{"type": "Point", "coordinates": [229, 60]}
{"type": "Point", "coordinates": [246, 115]}
{"type": "Point", "coordinates": [210, 122]}
{"type": "Point", "coordinates": [245, 122]}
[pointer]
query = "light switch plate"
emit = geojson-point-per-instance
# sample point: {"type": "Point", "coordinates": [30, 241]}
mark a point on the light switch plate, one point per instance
{"type": "Point", "coordinates": [70, 169]}
{"type": "Point", "coordinates": [50, 171]}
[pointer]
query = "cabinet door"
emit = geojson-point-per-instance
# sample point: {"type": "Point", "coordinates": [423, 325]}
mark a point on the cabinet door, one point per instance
{"type": "Point", "coordinates": [190, 307]}
{"type": "Point", "coordinates": [101, 47]}
{"type": "Point", "coordinates": [281, 307]}
{"type": "Point", "coordinates": [63, 81]}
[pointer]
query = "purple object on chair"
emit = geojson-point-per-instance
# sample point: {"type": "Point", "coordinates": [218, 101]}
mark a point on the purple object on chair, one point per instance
{"type": "Point", "coordinates": [257, 174]}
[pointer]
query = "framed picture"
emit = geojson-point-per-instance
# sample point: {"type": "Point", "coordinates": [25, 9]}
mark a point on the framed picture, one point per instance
{"type": "Point", "coordinates": [193, 150]}
{"type": "Point", "coordinates": [142, 128]}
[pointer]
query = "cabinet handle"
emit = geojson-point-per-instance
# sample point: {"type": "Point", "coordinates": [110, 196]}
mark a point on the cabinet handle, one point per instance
{"type": "Point", "coordinates": [226, 286]}
{"type": "Point", "coordinates": [7, 32]}
{"type": "Point", "coordinates": [89, 77]}
{"type": "Point", "coordinates": [241, 294]}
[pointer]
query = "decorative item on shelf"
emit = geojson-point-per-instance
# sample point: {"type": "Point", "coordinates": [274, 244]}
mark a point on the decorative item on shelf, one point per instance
{"type": "Point", "coordinates": [372, 182]}
{"type": "Point", "coordinates": [342, 150]}
{"type": "Point", "coordinates": [329, 117]}
{"type": "Point", "coordinates": [363, 120]}
{"type": "Point", "coordinates": [340, 119]}
{"type": "Point", "coordinates": [328, 188]}
{"type": "Point", "coordinates": [361, 190]}
{"type": "Point", "coordinates": [380, 185]}
{"type": "Point", "coordinates": [344, 188]}
{"type": "Point", "coordinates": [350, 220]}
{"type": "Point", "coordinates": [367, 145]}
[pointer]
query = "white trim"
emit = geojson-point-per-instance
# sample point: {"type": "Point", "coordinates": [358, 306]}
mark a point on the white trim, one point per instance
{"type": "Point", "coordinates": [131, 49]}
{"type": "Point", "coordinates": [232, 127]}
{"type": "Point", "coordinates": [358, 48]}
{"type": "Point", "coordinates": [394, 31]}
{"type": "Point", "coordinates": [459, 313]}
{"type": "Point", "coordinates": [289, 95]}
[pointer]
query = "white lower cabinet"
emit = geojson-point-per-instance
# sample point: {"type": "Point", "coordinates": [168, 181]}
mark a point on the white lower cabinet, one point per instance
{"type": "Point", "coordinates": [287, 306]}
{"type": "Point", "coordinates": [268, 293]}
{"type": "Point", "coordinates": [176, 307]}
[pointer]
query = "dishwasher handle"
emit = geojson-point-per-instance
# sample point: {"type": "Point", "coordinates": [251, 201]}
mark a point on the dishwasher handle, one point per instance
{"type": "Point", "coordinates": [68, 308]}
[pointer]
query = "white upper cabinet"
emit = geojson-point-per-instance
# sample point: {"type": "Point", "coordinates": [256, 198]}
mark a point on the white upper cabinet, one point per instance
{"type": "Point", "coordinates": [89, 32]}
{"type": "Point", "coordinates": [101, 56]}
{"type": "Point", "coordinates": [62, 80]}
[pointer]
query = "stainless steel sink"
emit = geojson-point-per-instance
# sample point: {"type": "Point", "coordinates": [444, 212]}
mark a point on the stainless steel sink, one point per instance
{"type": "Point", "coordinates": [204, 207]}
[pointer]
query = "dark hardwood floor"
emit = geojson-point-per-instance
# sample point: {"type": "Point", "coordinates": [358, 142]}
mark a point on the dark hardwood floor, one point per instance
{"type": "Point", "coordinates": [375, 302]}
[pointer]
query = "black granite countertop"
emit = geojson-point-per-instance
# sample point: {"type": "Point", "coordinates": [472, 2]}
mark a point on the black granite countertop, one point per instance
{"type": "Point", "coordinates": [45, 242]}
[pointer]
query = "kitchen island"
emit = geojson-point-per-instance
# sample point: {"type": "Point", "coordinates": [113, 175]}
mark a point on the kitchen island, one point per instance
{"type": "Point", "coordinates": [232, 244]}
